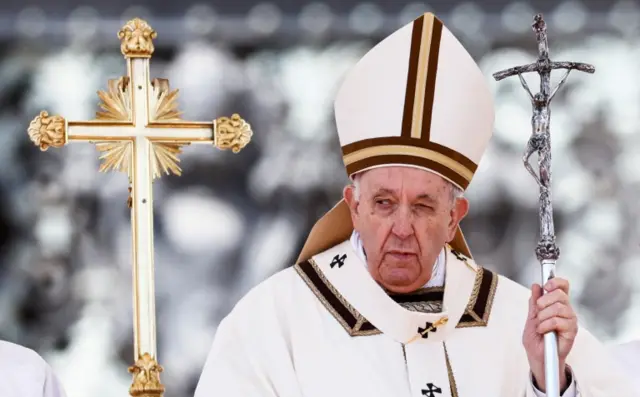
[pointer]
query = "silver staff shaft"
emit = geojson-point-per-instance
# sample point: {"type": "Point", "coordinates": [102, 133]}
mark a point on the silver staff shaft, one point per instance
{"type": "Point", "coordinates": [551, 362]}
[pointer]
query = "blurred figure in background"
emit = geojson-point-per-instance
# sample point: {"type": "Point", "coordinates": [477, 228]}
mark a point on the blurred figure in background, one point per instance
{"type": "Point", "coordinates": [23, 373]}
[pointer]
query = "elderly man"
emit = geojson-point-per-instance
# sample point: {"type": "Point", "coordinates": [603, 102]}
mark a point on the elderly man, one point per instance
{"type": "Point", "coordinates": [23, 373]}
{"type": "Point", "coordinates": [385, 299]}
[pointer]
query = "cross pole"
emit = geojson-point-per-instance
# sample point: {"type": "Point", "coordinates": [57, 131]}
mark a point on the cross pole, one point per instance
{"type": "Point", "coordinates": [540, 141]}
{"type": "Point", "coordinates": [139, 132]}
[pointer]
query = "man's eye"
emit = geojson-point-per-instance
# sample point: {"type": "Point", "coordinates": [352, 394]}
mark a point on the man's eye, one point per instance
{"type": "Point", "coordinates": [383, 202]}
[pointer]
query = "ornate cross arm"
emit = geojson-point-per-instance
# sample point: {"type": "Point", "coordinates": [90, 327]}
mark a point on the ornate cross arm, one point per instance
{"type": "Point", "coordinates": [227, 133]}
{"type": "Point", "coordinates": [534, 67]}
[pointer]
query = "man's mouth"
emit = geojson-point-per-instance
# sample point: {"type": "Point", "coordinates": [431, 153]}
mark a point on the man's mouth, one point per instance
{"type": "Point", "coordinates": [401, 255]}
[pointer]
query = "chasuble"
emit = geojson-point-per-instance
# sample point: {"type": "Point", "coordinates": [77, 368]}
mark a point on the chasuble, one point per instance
{"type": "Point", "coordinates": [324, 327]}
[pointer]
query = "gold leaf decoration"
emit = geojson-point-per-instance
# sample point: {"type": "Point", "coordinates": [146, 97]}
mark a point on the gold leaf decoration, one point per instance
{"type": "Point", "coordinates": [232, 133]}
{"type": "Point", "coordinates": [116, 101]}
{"type": "Point", "coordinates": [47, 131]}
{"type": "Point", "coordinates": [146, 377]}
{"type": "Point", "coordinates": [116, 156]}
{"type": "Point", "coordinates": [136, 39]}
{"type": "Point", "coordinates": [165, 158]}
{"type": "Point", "coordinates": [163, 102]}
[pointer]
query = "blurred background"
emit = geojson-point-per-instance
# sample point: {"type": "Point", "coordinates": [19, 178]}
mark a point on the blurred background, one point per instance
{"type": "Point", "coordinates": [233, 220]}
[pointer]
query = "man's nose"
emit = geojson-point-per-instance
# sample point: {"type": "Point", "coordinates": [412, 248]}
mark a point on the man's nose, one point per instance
{"type": "Point", "coordinates": [402, 224]}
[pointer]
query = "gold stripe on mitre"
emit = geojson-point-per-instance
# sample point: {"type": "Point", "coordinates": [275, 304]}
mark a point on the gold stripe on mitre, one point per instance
{"type": "Point", "coordinates": [407, 150]}
{"type": "Point", "coordinates": [422, 73]}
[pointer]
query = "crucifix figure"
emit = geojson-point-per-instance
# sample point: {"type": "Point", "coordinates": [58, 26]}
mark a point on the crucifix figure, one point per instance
{"type": "Point", "coordinates": [139, 131]}
{"type": "Point", "coordinates": [540, 142]}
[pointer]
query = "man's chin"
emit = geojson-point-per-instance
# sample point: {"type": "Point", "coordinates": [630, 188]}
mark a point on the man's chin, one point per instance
{"type": "Point", "coordinates": [400, 280]}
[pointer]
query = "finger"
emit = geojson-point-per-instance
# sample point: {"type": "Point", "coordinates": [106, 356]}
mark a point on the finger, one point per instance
{"type": "Point", "coordinates": [556, 310]}
{"type": "Point", "coordinates": [536, 293]}
{"type": "Point", "coordinates": [551, 298]}
{"type": "Point", "coordinates": [557, 324]}
{"type": "Point", "coordinates": [557, 283]}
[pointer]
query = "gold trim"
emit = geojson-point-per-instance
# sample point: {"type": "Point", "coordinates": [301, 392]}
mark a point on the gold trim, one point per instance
{"type": "Point", "coordinates": [421, 81]}
{"type": "Point", "coordinates": [452, 380]}
{"type": "Point", "coordinates": [47, 131]}
{"type": "Point", "coordinates": [100, 123]}
{"type": "Point", "coordinates": [182, 124]}
{"type": "Point", "coordinates": [135, 250]}
{"type": "Point", "coordinates": [93, 139]}
{"type": "Point", "coordinates": [360, 320]}
{"type": "Point", "coordinates": [185, 140]}
{"type": "Point", "coordinates": [484, 320]}
{"type": "Point", "coordinates": [406, 150]}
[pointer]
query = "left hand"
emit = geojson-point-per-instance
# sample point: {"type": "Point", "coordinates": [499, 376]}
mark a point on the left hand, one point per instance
{"type": "Point", "coordinates": [550, 312]}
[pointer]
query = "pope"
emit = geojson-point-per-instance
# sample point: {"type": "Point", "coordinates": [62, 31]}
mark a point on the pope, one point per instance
{"type": "Point", "coordinates": [385, 298]}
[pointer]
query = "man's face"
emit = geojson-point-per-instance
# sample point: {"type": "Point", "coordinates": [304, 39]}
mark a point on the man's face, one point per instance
{"type": "Point", "coordinates": [404, 217]}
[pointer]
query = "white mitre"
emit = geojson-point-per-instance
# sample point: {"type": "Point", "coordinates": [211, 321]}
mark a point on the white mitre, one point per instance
{"type": "Point", "coordinates": [417, 99]}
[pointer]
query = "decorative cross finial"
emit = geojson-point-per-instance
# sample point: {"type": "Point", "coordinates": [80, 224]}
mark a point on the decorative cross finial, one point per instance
{"type": "Point", "coordinates": [136, 39]}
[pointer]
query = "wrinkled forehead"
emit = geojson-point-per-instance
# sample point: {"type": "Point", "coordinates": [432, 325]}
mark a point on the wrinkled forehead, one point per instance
{"type": "Point", "coordinates": [401, 180]}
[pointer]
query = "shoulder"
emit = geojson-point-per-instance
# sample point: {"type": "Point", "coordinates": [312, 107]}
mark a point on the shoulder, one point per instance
{"type": "Point", "coordinates": [268, 299]}
{"type": "Point", "coordinates": [21, 367]}
{"type": "Point", "coordinates": [20, 356]}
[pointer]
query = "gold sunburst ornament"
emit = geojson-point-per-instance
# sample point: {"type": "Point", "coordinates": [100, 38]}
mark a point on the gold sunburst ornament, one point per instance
{"type": "Point", "coordinates": [116, 101]}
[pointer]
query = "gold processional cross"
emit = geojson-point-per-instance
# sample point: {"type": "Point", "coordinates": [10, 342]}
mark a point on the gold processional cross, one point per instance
{"type": "Point", "coordinates": [139, 131]}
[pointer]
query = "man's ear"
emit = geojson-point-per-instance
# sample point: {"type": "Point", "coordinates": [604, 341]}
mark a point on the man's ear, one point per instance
{"type": "Point", "coordinates": [350, 198]}
{"type": "Point", "coordinates": [459, 210]}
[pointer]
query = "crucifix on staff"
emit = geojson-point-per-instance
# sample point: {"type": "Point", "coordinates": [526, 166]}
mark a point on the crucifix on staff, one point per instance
{"type": "Point", "coordinates": [539, 142]}
{"type": "Point", "coordinates": [139, 131]}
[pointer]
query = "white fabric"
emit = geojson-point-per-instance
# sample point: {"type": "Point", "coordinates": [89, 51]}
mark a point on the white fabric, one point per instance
{"type": "Point", "coordinates": [628, 354]}
{"type": "Point", "coordinates": [281, 340]}
{"type": "Point", "coordinates": [23, 373]}
{"type": "Point", "coordinates": [437, 280]}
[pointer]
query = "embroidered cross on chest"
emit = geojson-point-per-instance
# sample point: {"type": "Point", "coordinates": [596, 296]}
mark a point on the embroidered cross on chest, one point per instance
{"type": "Point", "coordinates": [432, 390]}
{"type": "Point", "coordinates": [338, 260]}
{"type": "Point", "coordinates": [429, 327]}
{"type": "Point", "coordinates": [459, 255]}
{"type": "Point", "coordinates": [462, 258]}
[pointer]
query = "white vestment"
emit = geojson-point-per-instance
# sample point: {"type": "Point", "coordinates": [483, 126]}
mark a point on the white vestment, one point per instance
{"type": "Point", "coordinates": [325, 328]}
{"type": "Point", "coordinates": [23, 373]}
{"type": "Point", "coordinates": [629, 355]}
